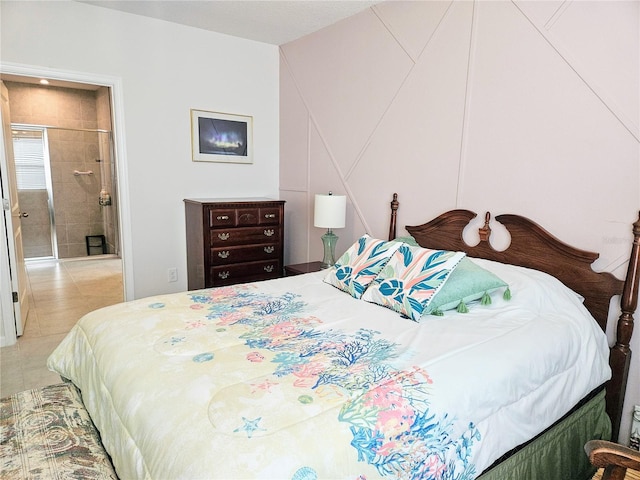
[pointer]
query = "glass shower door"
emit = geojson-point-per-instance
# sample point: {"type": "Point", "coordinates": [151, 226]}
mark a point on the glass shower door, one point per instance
{"type": "Point", "coordinates": [34, 191]}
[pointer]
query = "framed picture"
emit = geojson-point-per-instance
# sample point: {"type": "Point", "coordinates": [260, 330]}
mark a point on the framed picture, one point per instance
{"type": "Point", "coordinates": [221, 137]}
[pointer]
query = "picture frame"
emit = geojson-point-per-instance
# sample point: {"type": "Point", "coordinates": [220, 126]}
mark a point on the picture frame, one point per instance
{"type": "Point", "coordinates": [221, 137]}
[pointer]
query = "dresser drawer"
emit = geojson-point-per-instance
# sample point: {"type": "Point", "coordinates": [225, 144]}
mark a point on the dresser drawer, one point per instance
{"type": "Point", "coordinates": [245, 236]}
{"type": "Point", "coordinates": [220, 218]}
{"type": "Point", "coordinates": [269, 216]}
{"type": "Point", "coordinates": [224, 256]}
{"type": "Point", "coordinates": [245, 272]}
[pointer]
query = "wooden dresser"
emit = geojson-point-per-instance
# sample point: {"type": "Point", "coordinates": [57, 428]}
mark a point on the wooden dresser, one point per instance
{"type": "Point", "coordinates": [233, 241]}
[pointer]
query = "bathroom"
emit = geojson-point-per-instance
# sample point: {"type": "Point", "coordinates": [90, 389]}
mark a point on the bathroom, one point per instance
{"type": "Point", "coordinates": [65, 169]}
{"type": "Point", "coordinates": [66, 182]}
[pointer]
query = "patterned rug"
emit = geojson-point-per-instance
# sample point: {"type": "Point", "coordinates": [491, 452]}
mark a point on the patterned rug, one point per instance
{"type": "Point", "coordinates": [46, 433]}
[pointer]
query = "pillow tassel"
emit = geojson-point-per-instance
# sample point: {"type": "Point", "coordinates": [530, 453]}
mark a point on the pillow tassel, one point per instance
{"type": "Point", "coordinates": [438, 313]}
{"type": "Point", "coordinates": [507, 294]}
{"type": "Point", "coordinates": [486, 299]}
{"type": "Point", "coordinates": [462, 308]}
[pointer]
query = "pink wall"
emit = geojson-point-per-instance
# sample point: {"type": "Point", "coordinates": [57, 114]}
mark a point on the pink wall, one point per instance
{"type": "Point", "coordinates": [511, 107]}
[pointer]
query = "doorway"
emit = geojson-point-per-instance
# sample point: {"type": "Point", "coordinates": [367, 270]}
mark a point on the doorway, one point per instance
{"type": "Point", "coordinates": [77, 116]}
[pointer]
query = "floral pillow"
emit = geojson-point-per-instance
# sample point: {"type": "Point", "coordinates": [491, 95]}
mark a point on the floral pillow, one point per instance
{"type": "Point", "coordinates": [360, 264]}
{"type": "Point", "coordinates": [411, 278]}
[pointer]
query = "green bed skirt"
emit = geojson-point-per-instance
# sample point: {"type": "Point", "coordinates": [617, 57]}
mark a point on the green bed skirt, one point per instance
{"type": "Point", "coordinates": [558, 453]}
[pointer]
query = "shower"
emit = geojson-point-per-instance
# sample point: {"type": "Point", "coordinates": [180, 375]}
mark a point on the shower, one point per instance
{"type": "Point", "coordinates": [66, 189]}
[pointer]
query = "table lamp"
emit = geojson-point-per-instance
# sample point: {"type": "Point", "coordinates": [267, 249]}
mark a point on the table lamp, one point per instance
{"type": "Point", "coordinates": [329, 213]}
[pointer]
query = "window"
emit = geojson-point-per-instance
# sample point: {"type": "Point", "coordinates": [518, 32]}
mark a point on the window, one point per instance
{"type": "Point", "coordinates": [28, 153]}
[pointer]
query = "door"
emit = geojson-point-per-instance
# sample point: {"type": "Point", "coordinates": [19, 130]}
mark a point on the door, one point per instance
{"type": "Point", "coordinates": [12, 213]}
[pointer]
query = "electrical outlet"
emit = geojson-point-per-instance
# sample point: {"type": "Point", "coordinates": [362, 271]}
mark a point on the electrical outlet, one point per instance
{"type": "Point", "coordinates": [172, 274]}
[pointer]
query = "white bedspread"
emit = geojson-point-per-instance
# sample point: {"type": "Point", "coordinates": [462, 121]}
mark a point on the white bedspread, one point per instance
{"type": "Point", "coordinates": [294, 379]}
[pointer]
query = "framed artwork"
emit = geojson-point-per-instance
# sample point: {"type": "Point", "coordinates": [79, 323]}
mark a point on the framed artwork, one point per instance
{"type": "Point", "coordinates": [221, 137]}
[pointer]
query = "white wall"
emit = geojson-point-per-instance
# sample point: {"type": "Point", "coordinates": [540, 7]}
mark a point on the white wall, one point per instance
{"type": "Point", "coordinates": [165, 70]}
{"type": "Point", "coordinates": [503, 106]}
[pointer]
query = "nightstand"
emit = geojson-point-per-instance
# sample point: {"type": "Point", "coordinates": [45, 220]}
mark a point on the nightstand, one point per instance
{"type": "Point", "coordinates": [300, 268]}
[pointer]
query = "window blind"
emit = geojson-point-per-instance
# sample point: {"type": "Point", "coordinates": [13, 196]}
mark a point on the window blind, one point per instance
{"type": "Point", "coordinates": [28, 155]}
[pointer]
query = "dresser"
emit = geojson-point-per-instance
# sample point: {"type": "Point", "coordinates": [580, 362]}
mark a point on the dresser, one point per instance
{"type": "Point", "coordinates": [233, 241]}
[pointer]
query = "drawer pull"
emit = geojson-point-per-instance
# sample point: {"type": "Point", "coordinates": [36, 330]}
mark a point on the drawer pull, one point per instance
{"type": "Point", "coordinates": [223, 236]}
{"type": "Point", "coordinates": [223, 275]}
{"type": "Point", "coordinates": [269, 215]}
{"type": "Point", "coordinates": [269, 249]}
{"type": "Point", "coordinates": [268, 268]}
{"type": "Point", "coordinates": [222, 217]}
{"type": "Point", "coordinates": [270, 232]}
{"type": "Point", "coordinates": [224, 254]}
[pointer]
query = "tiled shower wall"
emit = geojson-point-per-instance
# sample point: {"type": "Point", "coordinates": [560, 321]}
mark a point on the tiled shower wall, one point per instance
{"type": "Point", "coordinates": [77, 212]}
{"type": "Point", "coordinates": [75, 198]}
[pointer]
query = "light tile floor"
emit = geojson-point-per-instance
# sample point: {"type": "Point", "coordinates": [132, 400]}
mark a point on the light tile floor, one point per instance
{"type": "Point", "coordinates": [61, 291]}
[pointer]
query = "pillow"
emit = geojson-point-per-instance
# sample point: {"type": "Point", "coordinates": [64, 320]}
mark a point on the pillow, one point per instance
{"type": "Point", "coordinates": [360, 264]}
{"type": "Point", "coordinates": [468, 282]}
{"type": "Point", "coordinates": [411, 278]}
{"type": "Point", "coordinates": [409, 240]}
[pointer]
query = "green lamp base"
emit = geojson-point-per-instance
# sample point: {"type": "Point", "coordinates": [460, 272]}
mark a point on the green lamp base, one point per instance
{"type": "Point", "coordinates": [329, 241]}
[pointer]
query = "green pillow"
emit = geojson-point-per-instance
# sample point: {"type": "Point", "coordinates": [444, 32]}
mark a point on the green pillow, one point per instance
{"type": "Point", "coordinates": [409, 240]}
{"type": "Point", "coordinates": [467, 282]}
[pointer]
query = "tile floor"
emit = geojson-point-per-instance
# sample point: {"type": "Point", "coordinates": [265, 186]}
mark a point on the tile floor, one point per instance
{"type": "Point", "coordinates": [61, 291]}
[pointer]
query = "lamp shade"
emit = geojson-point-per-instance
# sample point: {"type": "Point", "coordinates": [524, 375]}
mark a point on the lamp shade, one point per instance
{"type": "Point", "coordinates": [330, 211]}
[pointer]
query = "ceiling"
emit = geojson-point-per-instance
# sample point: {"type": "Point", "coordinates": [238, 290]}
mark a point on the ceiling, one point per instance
{"type": "Point", "coordinates": [268, 21]}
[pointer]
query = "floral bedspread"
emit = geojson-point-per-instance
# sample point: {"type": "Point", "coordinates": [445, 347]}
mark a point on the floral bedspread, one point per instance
{"type": "Point", "coordinates": [293, 379]}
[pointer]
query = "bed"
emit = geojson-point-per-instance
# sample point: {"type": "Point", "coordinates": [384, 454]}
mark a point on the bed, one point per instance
{"type": "Point", "coordinates": [343, 374]}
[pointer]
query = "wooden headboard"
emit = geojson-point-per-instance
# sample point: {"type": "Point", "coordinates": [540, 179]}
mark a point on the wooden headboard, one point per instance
{"type": "Point", "coordinates": [533, 247]}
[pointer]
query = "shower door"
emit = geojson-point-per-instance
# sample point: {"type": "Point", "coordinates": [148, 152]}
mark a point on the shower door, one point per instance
{"type": "Point", "coordinates": [33, 178]}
